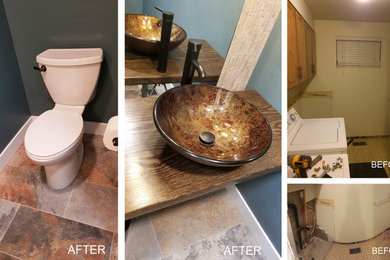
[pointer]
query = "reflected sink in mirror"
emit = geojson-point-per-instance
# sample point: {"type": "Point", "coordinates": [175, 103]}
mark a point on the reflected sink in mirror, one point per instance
{"type": "Point", "coordinates": [211, 125]}
{"type": "Point", "coordinates": [143, 34]}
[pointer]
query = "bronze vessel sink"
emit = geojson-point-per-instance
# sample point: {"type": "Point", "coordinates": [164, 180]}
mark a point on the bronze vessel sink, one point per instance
{"type": "Point", "coordinates": [143, 34]}
{"type": "Point", "coordinates": [211, 125]}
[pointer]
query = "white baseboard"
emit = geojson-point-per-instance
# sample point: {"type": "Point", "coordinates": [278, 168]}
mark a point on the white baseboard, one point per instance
{"type": "Point", "coordinates": [257, 231]}
{"type": "Point", "coordinates": [9, 151]}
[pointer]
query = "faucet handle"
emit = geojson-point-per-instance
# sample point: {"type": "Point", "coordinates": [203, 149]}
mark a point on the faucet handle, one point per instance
{"type": "Point", "coordinates": [194, 45]}
{"type": "Point", "coordinates": [41, 69]}
{"type": "Point", "coordinates": [158, 8]}
{"type": "Point", "coordinates": [164, 12]}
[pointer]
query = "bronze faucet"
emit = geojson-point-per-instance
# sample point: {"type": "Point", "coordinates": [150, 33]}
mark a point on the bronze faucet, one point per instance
{"type": "Point", "coordinates": [191, 63]}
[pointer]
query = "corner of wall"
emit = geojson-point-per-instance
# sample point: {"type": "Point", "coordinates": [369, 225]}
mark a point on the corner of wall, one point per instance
{"type": "Point", "coordinates": [302, 8]}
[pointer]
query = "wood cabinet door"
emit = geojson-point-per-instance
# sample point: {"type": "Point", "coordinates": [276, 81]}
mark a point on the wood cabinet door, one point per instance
{"type": "Point", "coordinates": [292, 48]}
{"type": "Point", "coordinates": [309, 52]}
{"type": "Point", "coordinates": [301, 42]}
{"type": "Point", "coordinates": [313, 44]}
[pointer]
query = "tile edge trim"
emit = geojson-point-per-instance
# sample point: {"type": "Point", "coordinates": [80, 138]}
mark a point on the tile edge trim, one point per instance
{"type": "Point", "coordinates": [9, 151]}
{"type": "Point", "coordinates": [254, 226]}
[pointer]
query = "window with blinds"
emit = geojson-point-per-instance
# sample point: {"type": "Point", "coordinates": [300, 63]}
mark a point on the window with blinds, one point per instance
{"type": "Point", "coordinates": [358, 53]}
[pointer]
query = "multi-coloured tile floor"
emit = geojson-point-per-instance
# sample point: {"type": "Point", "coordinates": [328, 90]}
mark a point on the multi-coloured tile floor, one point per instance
{"type": "Point", "coordinates": [37, 222]}
{"type": "Point", "coordinates": [196, 229]}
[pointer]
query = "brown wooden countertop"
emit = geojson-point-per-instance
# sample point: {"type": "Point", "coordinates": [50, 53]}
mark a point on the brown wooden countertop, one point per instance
{"type": "Point", "coordinates": [156, 176]}
{"type": "Point", "coordinates": [141, 69]}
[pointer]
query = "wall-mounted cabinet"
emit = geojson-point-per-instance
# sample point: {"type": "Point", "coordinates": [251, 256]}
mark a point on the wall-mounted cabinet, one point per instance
{"type": "Point", "coordinates": [301, 49]}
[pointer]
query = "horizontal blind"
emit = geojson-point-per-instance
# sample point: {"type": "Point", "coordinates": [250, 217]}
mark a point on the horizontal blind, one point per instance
{"type": "Point", "coordinates": [358, 53]}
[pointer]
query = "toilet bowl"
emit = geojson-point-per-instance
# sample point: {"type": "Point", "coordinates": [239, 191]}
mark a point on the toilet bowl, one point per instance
{"type": "Point", "coordinates": [54, 139]}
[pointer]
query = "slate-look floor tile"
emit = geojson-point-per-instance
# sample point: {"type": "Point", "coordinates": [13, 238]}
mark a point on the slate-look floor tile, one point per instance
{"type": "Point", "coordinates": [29, 188]}
{"type": "Point", "coordinates": [239, 235]}
{"type": "Point", "coordinates": [6, 257]}
{"type": "Point", "coordinates": [215, 246]}
{"type": "Point", "coordinates": [37, 235]}
{"type": "Point", "coordinates": [21, 160]}
{"type": "Point", "coordinates": [141, 241]}
{"type": "Point", "coordinates": [201, 250]}
{"type": "Point", "coordinates": [182, 225]}
{"type": "Point", "coordinates": [95, 205]}
{"type": "Point", "coordinates": [99, 164]}
{"type": "Point", "coordinates": [114, 247]}
{"type": "Point", "coordinates": [7, 212]}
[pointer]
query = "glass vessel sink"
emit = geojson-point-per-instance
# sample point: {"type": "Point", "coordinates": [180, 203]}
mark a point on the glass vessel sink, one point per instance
{"type": "Point", "coordinates": [143, 34]}
{"type": "Point", "coordinates": [211, 125]}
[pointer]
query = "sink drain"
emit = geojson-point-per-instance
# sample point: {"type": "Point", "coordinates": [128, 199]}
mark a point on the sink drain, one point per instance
{"type": "Point", "coordinates": [206, 138]}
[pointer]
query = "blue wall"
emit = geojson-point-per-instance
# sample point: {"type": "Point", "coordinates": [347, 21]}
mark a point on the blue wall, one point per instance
{"type": "Point", "coordinates": [267, 75]}
{"type": "Point", "coordinates": [263, 195]}
{"type": "Point", "coordinates": [214, 21]}
{"type": "Point", "coordinates": [134, 7]}
{"type": "Point", "coordinates": [14, 110]}
{"type": "Point", "coordinates": [41, 24]}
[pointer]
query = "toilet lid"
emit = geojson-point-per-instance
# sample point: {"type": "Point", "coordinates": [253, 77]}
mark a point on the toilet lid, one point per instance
{"type": "Point", "coordinates": [53, 132]}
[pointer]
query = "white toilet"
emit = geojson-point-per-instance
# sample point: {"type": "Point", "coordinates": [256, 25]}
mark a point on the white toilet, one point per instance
{"type": "Point", "coordinates": [54, 139]}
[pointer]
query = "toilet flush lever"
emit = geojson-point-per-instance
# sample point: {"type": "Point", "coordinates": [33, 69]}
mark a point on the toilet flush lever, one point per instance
{"type": "Point", "coordinates": [42, 68]}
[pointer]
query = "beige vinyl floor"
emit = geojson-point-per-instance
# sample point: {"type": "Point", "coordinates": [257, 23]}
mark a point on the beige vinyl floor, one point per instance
{"type": "Point", "coordinates": [377, 149]}
{"type": "Point", "coordinates": [324, 250]}
{"type": "Point", "coordinates": [341, 251]}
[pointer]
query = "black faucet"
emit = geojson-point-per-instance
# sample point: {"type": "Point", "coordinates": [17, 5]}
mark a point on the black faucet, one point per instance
{"type": "Point", "coordinates": [166, 29]}
{"type": "Point", "coordinates": [191, 63]}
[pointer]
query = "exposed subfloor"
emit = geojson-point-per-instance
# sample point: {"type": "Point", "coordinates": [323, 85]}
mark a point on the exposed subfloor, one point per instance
{"type": "Point", "coordinates": [198, 229]}
{"type": "Point", "coordinates": [37, 222]}
{"type": "Point", "coordinates": [377, 149]}
{"type": "Point", "coordinates": [317, 249]}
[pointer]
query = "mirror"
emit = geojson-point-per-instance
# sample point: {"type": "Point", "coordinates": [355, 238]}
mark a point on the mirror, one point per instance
{"type": "Point", "coordinates": [212, 21]}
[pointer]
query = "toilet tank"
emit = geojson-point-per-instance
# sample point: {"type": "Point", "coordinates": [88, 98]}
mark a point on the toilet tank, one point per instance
{"type": "Point", "coordinates": [71, 75]}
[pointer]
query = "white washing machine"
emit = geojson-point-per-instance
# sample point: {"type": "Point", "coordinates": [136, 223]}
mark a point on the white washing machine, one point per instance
{"type": "Point", "coordinates": [318, 136]}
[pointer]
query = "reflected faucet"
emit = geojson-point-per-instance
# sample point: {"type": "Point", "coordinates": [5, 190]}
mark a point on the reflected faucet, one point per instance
{"type": "Point", "coordinates": [191, 63]}
{"type": "Point", "coordinates": [166, 29]}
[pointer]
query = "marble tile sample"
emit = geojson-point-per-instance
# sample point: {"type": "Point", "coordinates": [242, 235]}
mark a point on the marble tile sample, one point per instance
{"type": "Point", "coordinates": [239, 235]}
{"type": "Point", "coordinates": [7, 212]}
{"type": "Point", "coordinates": [141, 241]}
{"type": "Point", "coordinates": [37, 235]}
{"type": "Point", "coordinates": [94, 205]}
{"type": "Point", "coordinates": [29, 188]}
{"type": "Point", "coordinates": [184, 224]}
{"type": "Point", "coordinates": [100, 165]}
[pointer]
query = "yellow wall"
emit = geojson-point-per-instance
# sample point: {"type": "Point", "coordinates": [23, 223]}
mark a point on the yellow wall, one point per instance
{"type": "Point", "coordinates": [359, 94]}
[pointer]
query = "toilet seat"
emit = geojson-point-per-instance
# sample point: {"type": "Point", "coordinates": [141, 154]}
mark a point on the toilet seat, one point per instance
{"type": "Point", "coordinates": [53, 134]}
